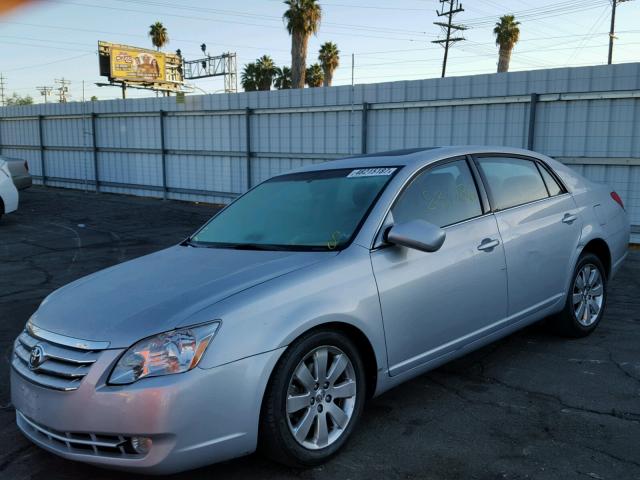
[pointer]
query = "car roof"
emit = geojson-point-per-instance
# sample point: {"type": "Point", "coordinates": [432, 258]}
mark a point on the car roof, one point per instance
{"type": "Point", "coordinates": [413, 156]}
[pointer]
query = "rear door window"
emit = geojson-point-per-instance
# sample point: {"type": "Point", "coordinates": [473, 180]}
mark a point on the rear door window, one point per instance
{"type": "Point", "coordinates": [512, 181]}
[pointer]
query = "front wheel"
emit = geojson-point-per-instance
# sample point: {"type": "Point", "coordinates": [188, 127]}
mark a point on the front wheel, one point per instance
{"type": "Point", "coordinates": [313, 400]}
{"type": "Point", "coordinates": [586, 298]}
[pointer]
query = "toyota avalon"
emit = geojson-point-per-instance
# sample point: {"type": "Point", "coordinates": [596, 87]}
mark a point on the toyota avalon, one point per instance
{"type": "Point", "coordinates": [272, 324]}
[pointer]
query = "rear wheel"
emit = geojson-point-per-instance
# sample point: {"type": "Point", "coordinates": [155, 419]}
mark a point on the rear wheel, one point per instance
{"type": "Point", "coordinates": [314, 399]}
{"type": "Point", "coordinates": [586, 299]}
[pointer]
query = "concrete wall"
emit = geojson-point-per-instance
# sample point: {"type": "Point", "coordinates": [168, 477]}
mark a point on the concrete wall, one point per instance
{"type": "Point", "coordinates": [212, 147]}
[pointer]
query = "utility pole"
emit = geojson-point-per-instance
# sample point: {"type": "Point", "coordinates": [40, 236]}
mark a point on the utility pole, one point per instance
{"type": "Point", "coordinates": [2, 79]}
{"type": "Point", "coordinates": [45, 92]}
{"type": "Point", "coordinates": [63, 89]}
{"type": "Point", "coordinates": [454, 7]}
{"type": "Point", "coordinates": [612, 30]}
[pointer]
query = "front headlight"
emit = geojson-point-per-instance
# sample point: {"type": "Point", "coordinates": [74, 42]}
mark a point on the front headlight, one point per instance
{"type": "Point", "coordinates": [176, 351]}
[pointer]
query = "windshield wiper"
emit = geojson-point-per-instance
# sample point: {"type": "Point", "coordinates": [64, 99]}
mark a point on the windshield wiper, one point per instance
{"type": "Point", "coordinates": [254, 246]}
{"type": "Point", "coordinates": [187, 242]}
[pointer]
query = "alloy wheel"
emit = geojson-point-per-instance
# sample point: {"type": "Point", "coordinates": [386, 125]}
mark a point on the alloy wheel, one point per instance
{"type": "Point", "coordinates": [588, 295]}
{"type": "Point", "coordinates": [321, 397]}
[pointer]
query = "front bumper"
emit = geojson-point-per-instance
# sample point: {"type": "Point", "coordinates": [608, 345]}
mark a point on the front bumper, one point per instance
{"type": "Point", "coordinates": [196, 418]}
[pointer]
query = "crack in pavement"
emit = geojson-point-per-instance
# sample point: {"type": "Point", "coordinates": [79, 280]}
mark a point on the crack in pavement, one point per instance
{"type": "Point", "coordinates": [13, 456]}
{"type": "Point", "coordinates": [622, 369]}
{"type": "Point", "coordinates": [626, 416]}
{"type": "Point", "coordinates": [612, 456]}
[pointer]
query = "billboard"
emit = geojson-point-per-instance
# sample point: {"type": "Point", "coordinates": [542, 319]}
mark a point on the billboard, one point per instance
{"type": "Point", "coordinates": [136, 65]}
{"type": "Point", "coordinates": [142, 66]}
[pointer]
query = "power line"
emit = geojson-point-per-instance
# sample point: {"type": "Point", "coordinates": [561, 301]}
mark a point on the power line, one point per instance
{"type": "Point", "coordinates": [590, 34]}
{"type": "Point", "coordinates": [349, 33]}
{"type": "Point", "coordinates": [39, 65]}
{"type": "Point", "coordinates": [545, 11]}
{"type": "Point", "coordinates": [43, 40]}
{"type": "Point", "coordinates": [485, 53]}
{"type": "Point", "coordinates": [542, 24]}
{"type": "Point", "coordinates": [576, 37]}
{"type": "Point", "coordinates": [87, 30]}
{"type": "Point", "coordinates": [260, 16]}
{"type": "Point", "coordinates": [454, 8]}
{"type": "Point", "coordinates": [367, 7]}
{"type": "Point", "coordinates": [44, 46]}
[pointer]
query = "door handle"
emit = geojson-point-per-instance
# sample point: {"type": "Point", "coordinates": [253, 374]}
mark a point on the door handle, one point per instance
{"type": "Point", "coordinates": [488, 244]}
{"type": "Point", "coordinates": [569, 218]}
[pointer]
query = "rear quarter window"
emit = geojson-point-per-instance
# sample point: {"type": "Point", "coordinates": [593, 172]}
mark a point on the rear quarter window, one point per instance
{"type": "Point", "coordinates": [551, 183]}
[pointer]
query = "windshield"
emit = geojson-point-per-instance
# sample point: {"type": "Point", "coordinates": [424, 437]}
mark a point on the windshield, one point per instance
{"type": "Point", "coordinates": [320, 210]}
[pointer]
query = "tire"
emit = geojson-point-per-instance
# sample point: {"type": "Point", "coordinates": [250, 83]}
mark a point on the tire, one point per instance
{"type": "Point", "coordinates": [586, 301]}
{"type": "Point", "coordinates": [314, 400]}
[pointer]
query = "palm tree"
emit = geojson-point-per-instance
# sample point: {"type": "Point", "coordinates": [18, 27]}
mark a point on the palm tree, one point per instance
{"type": "Point", "coordinates": [329, 59]}
{"type": "Point", "coordinates": [303, 19]}
{"type": "Point", "coordinates": [282, 79]}
{"type": "Point", "coordinates": [266, 72]}
{"type": "Point", "coordinates": [249, 77]}
{"type": "Point", "coordinates": [314, 75]}
{"type": "Point", "coordinates": [507, 35]}
{"type": "Point", "coordinates": [159, 35]}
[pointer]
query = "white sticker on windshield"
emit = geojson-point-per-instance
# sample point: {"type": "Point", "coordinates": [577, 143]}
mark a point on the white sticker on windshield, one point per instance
{"type": "Point", "coordinates": [372, 172]}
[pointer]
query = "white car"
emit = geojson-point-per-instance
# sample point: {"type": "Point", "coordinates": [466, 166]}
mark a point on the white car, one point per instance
{"type": "Point", "coordinates": [8, 191]}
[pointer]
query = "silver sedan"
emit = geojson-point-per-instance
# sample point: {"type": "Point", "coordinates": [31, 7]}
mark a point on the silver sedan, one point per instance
{"type": "Point", "coordinates": [19, 172]}
{"type": "Point", "coordinates": [316, 290]}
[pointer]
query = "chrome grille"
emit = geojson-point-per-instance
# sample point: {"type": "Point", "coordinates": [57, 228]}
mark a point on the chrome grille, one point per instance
{"type": "Point", "coordinates": [57, 366]}
{"type": "Point", "coordinates": [83, 443]}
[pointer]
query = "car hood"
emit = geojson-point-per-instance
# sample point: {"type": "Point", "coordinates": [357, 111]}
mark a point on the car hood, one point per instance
{"type": "Point", "coordinates": [159, 292]}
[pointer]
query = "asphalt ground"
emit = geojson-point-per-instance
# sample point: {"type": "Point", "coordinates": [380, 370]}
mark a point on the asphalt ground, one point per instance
{"type": "Point", "coordinates": [531, 406]}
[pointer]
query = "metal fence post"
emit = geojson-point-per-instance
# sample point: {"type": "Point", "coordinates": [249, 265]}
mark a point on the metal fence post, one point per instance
{"type": "Point", "coordinates": [365, 116]}
{"type": "Point", "coordinates": [163, 156]}
{"type": "Point", "coordinates": [94, 148]}
{"type": "Point", "coordinates": [533, 103]}
{"type": "Point", "coordinates": [43, 171]}
{"type": "Point", "coordinates": [247, 130]}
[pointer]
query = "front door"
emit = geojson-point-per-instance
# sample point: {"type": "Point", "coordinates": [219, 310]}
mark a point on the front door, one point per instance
{"type": "Point", "coordinates": [433, 303]}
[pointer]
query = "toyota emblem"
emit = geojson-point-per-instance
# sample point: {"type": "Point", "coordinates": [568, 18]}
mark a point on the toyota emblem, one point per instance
{"type": "Point", "coordinates": [37, 356]}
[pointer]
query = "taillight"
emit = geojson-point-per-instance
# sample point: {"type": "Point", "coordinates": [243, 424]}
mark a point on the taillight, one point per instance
{"type": "Point", "coordinates": [617, 199]}
{"type": "Point", "coordinates": [26, 166]}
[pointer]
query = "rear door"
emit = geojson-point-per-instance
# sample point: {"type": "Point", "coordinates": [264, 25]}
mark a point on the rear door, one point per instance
{"type": "Point", "coordinates": [433, 303]}
{"type": "Point", "coordinates": [539, 226]}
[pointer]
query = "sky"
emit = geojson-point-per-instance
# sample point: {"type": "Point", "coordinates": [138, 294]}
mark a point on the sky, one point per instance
{"type": "Point", "coordinates": [389, 39]}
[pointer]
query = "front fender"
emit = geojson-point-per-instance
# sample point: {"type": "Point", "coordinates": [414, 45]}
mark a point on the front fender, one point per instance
{"type": "Point", "coordinates": [272, 315]}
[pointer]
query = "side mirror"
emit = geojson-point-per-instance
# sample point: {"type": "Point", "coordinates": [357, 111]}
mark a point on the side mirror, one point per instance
{"type": "Point", "coordinates": [417, 234]}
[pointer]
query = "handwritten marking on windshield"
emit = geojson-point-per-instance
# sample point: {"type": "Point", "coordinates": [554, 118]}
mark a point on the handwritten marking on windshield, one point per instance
{"type": "Point", "coordinates": [335, 238]}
